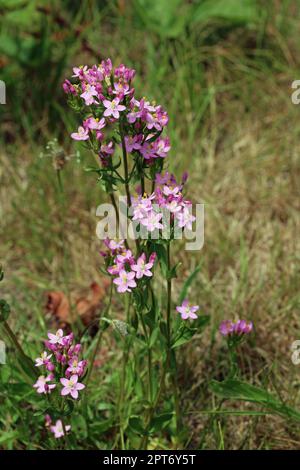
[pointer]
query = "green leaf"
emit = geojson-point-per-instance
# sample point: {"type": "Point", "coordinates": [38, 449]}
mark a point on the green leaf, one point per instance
{"type": "Point", "coordinates": [185, 334]}
{"type": "Point", "coordinates": [160, 422]}
{"type": "Point", "coordinates": [164, 17]}
{"type": "Point", "coordinates": [237, 390]}
{"type": "Point", "coordinates": [154, 335]}
{"type": "Point", "coordinates": [4, 310]}
{"type": "Point", "coordinates": [188, 283]}
{"type": "Point", "coordinates": [102, 426]}
{"type": "Point", "coordinates": [184, 337]}
{"type": "Point", "coordinates": [136, 425]}
{"type": "Point", "coordinates": [162, 257]}
{"type": "Point", "coordinates": [234, 11]}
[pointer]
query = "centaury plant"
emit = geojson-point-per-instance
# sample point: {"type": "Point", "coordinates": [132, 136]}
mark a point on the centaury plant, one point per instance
{"type": "Point", "coordinates": [115, 122]}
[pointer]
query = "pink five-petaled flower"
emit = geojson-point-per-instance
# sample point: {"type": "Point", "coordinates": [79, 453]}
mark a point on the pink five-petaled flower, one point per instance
{"type": "Point", "coordinates": [142, 268]}
{"type": "Point", "coordinates": [43, 359]}
{"type": "Point", "coordinates": [71, 386]}
{"type": "Point", "coordinates": [57, 338]}
{"type": "Point", "coordinates": [125, 281]}
{"type": "Point", "coordinates": [58, 429]}
{"type": "Point", "coordinates": [82, 134]}
{"type": "Point", "coordinates": [185, 218]}
{"type": "Point", "coordinates": [187, 311]}
{"type": "Point", "coordinates": [42, 385]}
{"type": "Point", "coordinates": [152, 221]}
{"type": "Point", "coordinates": [113, 107]}
{"type": "Point", "coordinates": [88, 95]}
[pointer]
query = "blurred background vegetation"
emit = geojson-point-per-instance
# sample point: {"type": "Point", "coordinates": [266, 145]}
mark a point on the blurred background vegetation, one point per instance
{"type": "Point", "coordinates": [223, 69]}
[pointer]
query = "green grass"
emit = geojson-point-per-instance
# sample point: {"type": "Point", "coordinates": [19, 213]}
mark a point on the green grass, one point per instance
{"type": "Point", "coordinates": [234, 128]}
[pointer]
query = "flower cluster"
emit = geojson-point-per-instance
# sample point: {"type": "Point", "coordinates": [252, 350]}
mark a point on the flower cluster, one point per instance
{"type": "Point", "coordinates": [105, 96]}
{"type": "Point", "coordinates": [62, 365]}
{"type": "Point", "coordinates": [127, 270]}
{"type": "Point", "coordinates": [187, 310]}
{"type": "Point", "coordinates": [165, 206]}
{"type": "Point", "coordinates": [235, 328]}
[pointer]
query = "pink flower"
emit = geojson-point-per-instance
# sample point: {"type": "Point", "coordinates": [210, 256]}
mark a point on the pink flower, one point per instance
{"type": "Point", "coordinates": [162, 146]}
{"type": "Point", "coordinates": [76, 367]}
{"type": "Point", "coordinates": [68, 87]}
{"type": "Point", "coordinates": [107, 149]}
{"type": "Point", "coordinates": [42, 385]}
{"type": "Point", "coordinates": [43, 359]}
{"type": "Point", "coordinates": [173, 206]}
{"type": "Point", "coordinates": [240, 327]}
{"type": "Point", "coordinates": [133, 142]}
{"type": "Point", "coordinates": [57, 338]}
{"type": "Point", "coordinates": [187, 311]}
{"type": "Point", "coordinates": [82, 134]}
{"type": "Point", "coordinates": [142, 268]}
{"type": "Point", "coordinates": [114, 246]}
{"type": "Point", "coordinates": [121, 89]}
{"type": "Point", "coordinates": [152, 221]}
{"type": "Point", "coordinates": [142, 206]}
{"type": "Point", "coordinates": [94, 124]}
{"type": "Point", "coordinates": [88, 95]}
{"type": "Point", "coordinates": [169, 191]}
{"type": "Point", "coordinates": [125, 257]}
{"type": "Point", "coordinates": [71, 386]}
{"type": "Point", "coordinates": [113, 107]}
{"type": "Point", "coordinates": [79, 71]}
{"type": "Point", "coordinates": [125, 281]}
{"type": "Point", "coordinates": [115, 269]}
{"type": "Point", "coordinates": [48, 420]}
{"type": "Point", "coordinates": [58, 429]}
{"type": "Point", "coordinates": [185, 218]}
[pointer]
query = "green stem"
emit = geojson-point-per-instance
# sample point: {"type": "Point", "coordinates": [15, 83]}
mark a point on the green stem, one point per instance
{"type": "Point", "coordinates": [125, 164]}
{"type": "Point", "coordinates": [122, 379]}
{"type": "Point", "coordinates": [126, 174]}
{"type": "Point", "coordinates": [113, 201]}
{"type": "Point", "coordinates": [149, 356]}
{"type": "Point", "coordinates": [171, 353]}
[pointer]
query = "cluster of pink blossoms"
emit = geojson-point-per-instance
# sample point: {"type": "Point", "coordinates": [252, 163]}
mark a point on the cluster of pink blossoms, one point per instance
{"type": "Point", "coordinates": [122, 264]}
{"type": "Point", "coordinates": [166, 205]}
{"type": "Point", "coordinates": [235, 328]}
{"type": "Point", "coordinates": [62, 364]}
{"type": "Point", "coordinates": [106, 95]}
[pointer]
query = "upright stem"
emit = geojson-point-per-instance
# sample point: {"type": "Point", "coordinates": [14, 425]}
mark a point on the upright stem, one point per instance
{"type": "Point", "coordinates": [122, 379]}
{"type": "Point", "coordinates": [125, 164]}
{"type": "Point", "coordinates": [113, 201]}
{"type": "Point", "coordinates": [124, 152]}
{"type": "Point", "coordinates": [171, 355]}
{"type": "Point", "coordinates": [169, 296]}
{"type": "Point", "coordinates": [149, 355]}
